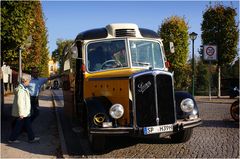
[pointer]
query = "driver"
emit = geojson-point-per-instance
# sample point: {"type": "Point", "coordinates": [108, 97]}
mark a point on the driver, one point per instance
{"type": "Point", "coordinates": [115, 59]}
{"type": "Point", "coordinates": [120, 56]}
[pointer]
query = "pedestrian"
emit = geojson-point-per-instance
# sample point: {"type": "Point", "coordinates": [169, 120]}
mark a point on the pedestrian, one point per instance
{"type": "Point", "coordinates": [21, 111]}
{"type": "Point", "coordinates": [34, 89]}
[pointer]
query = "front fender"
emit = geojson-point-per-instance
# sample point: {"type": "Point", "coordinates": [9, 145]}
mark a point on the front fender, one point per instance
{"type": "Point", "coordinates": [97, 105]}
{"type": "Point", "coordinates": [179, 96]}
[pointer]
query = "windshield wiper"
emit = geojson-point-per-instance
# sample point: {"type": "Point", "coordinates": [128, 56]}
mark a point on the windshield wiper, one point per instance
{"type": "Point", "coordinates": [142, 63]}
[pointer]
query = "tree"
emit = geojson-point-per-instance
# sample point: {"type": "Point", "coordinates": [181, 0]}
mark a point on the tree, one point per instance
{"type": "Point", "coordinates": [21, 19]}
{"type": "Point", "coordinates": [219, 28]}
{"type": "Point", "coordinates": [58, 53]}
{"type": "Point", "coordinates": [175, 29]}
{"type": "Point", "coordinates": [39, 50]}
{"type": "Point", "coordinates": [16, 21]}
{"type": "Point", "coordinates": [202, 76]}
{"type": "Point", "coordinates": [230, 75]}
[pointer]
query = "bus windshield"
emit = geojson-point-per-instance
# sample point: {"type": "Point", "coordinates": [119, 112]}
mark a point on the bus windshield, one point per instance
{"type": "Point", "coordinates": [146, 54]}
{"type": "Point", "coordinates": [107, 55]}
{"type": "Point", "coordinates": [113, 54]}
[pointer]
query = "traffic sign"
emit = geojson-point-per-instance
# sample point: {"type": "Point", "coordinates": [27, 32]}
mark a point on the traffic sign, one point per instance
{"type": "Point", "coordinates": [210, 52]}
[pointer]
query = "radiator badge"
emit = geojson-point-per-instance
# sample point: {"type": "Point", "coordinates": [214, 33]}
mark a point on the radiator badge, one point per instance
{"type": "Point", "coordinates": [143, 87]}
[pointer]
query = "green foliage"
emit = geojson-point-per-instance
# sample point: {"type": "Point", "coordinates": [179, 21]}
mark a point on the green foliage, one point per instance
{"type": "Point", "coordinates": [175, 29]}
{"type": "Point", "coordinates": [20, 20]}
{"type": "Point", "coordinates": [40, 53]}
{"type": "Point", "coordinates": [235, 69]}
{"type": "Point", "coordinates": [57, 54]}
{"type": "Point", "coordinates": [202, 76]}
{"type": "Point", "coordinates": [219, 28]}
{"type": "Point", "coordinates": [15, 28]}
{"type": "Point", "coordinates": [231, 71]}
{"type": "Point", "coordinates": [182, 76]}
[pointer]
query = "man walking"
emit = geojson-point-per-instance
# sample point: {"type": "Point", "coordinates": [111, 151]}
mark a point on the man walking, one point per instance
{"type": "Point", "coordinates": [34, 89]}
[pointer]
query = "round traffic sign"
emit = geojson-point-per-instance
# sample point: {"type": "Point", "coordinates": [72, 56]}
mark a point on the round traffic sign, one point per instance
{"type": "Point", "coordinates": [210, 51]}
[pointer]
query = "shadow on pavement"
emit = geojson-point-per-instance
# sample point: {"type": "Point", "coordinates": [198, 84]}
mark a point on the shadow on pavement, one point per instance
{"type": "Point", "coordinates": [78, 146]}
{"type": "Point", "coordinates": [72, 140]}
{"type": "Point", "coordinates": [115, 142]}
{"type": "Point", "coordinates": [44, 127]}
{"type": "Point", "coordinates": [220, 123]}
{"type": "Point", "coordinates": [45, 98]}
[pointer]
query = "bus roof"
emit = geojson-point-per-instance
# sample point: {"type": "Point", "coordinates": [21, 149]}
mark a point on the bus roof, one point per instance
{"type": "Point", "coordinates": [117, 30]}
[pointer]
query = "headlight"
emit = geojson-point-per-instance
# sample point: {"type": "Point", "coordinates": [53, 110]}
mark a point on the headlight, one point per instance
{"type": "Point", "coordinates": [116, 111]}
{"type": "Point", "coordinates": [187, 105]}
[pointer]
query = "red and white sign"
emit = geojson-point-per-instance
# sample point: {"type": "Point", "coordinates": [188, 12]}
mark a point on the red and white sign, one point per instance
{"type": "Point", "coordinates": [210, 52]}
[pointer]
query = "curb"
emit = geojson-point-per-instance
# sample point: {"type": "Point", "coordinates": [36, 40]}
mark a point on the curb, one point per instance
{"type": "Point", "coordinates": [60, 131]}
{"type": "Point", "coordinates": [214, 99]}
{"type": "Point", "coordinates": [213, 102]}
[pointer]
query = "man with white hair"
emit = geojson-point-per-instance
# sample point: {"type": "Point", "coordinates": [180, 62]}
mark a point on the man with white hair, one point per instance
{"type": "Point", "coordinates": [21, 110]}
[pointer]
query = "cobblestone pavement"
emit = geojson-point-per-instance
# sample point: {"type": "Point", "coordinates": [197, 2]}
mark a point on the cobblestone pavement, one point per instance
{"type": "Point", "coordinates": [217, 137]}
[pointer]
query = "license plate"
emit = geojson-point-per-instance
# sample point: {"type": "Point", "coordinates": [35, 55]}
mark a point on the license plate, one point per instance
{"type": "Point", "coordinates": [157, 129]}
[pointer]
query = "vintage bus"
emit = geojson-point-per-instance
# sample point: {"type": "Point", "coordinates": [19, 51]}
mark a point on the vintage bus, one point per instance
{"type": "Point", "coordinates": [117, 83]}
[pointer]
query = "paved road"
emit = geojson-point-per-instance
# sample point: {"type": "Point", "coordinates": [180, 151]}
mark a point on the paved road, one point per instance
{"type": "Point", "coordinates": [217, 137]}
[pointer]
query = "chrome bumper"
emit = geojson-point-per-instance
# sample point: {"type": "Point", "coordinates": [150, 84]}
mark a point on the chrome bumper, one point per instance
{"type": "Point", "coordinates": [189, 123]}
{"type": "Point", "coordinates": [178, 126]}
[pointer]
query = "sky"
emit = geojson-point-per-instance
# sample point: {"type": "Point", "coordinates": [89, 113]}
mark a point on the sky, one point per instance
{"type": "Point", "coordinates": [66, 19]}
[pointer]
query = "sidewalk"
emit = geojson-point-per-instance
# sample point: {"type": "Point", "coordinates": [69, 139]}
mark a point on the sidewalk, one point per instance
{"type": "Point", "coordinates": [73, 143]}
{"type": "Point", "coordinates": [45, 126]}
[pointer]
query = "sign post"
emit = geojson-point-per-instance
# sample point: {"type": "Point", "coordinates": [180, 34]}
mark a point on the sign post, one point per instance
{"type": "Point", "coordinates": [210, 54]}
{"type": "Point", "coordinates": [210, 80]}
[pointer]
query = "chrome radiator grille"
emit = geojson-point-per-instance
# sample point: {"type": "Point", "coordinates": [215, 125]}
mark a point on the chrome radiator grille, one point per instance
{"type": "Point", "coordinates": [153, 98]}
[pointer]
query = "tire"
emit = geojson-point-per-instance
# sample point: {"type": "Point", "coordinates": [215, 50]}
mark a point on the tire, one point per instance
{"type": "Point", "coordinates": [182, 136]}
{"type": "Point", "coordinates": [234, 110]}
{"type": "Point", "coordinates": [97, 142]}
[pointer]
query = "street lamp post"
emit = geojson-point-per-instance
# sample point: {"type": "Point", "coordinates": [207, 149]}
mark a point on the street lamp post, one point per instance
{"type": "Point", "coordinates": [27, 43]}
{"type": "Point", "coordinates": [20, 64]}
{"type": "Point", "coordinates": [193, 36]}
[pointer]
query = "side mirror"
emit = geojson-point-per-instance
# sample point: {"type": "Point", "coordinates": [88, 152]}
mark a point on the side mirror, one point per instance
{"type": "Point", "coordinates": [171, 46]}
{"type": "Point", "coordinates": [66, 65]}
{"type": "Point", "coordinates": [74, 51]}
